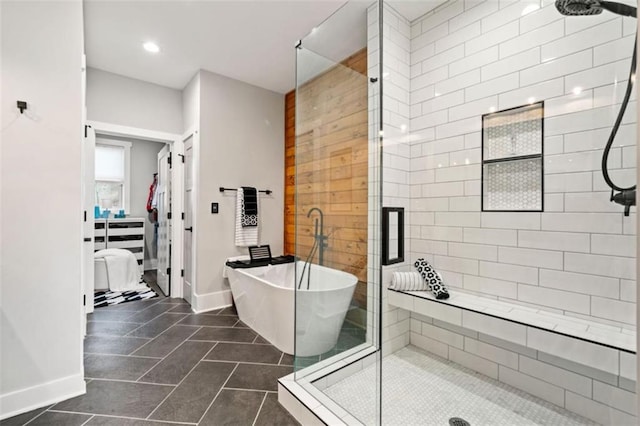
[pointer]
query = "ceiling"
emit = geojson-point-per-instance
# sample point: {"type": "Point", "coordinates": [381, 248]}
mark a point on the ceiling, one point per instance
{"type": "Point", "coordinates": [338, 37]}
{"type": "Point", "coordinates": [414, 9]}
{"type": "Point", "coordinates": [248, 40]}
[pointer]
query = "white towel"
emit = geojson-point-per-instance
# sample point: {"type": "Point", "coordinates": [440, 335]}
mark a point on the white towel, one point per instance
{"type": "Point", "coordinates": [407, 281]}
{"type": "Point", "coordinates": [247, 236]}
{"type": "Point", "coordinates": [123, 273]}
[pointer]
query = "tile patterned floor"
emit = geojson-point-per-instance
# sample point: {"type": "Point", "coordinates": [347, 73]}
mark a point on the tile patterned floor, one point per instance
{"type": "Point", "coordinates": [153, 363]}
{"type": "Point", "coordinates": [422, 389]}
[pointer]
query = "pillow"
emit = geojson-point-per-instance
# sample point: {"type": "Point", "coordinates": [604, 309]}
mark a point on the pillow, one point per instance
{"type": "Point", "coordinates": [407, 281]}
{"type": "Point", "coordinates": [432, 278]}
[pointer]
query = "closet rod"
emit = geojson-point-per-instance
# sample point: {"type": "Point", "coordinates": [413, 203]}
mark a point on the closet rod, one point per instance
{"type": "Point", "coordinates": [264, 191]}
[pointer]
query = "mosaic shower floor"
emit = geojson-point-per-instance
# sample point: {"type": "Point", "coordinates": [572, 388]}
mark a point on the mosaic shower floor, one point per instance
{"type": "Point", "coordinates": [422, 389]}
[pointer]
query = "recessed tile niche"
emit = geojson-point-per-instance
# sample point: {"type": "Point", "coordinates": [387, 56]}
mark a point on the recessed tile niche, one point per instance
{"type": "Point", "coordinates": [512, 149]}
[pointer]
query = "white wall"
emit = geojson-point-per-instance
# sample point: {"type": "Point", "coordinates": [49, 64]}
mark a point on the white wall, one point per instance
{"type": "Point", "coordinates": [395, 322]}
{"type": "Point", "coordinates": [578, 257]}
{"type": "Point", "coordinates": [562, 381]}
{"type": "Point", "coordinates": [241, 144]}
{"type": "Point", "coordinates": [115, 99]}
{"type": "Point", "coordinates": [396, 154]}
{"type": "Point", "coordinates": [40, 279]}
{"type": "Point", "coordinates": [191, 104]}
{"type": "Point", "coordinates": [396, 145]}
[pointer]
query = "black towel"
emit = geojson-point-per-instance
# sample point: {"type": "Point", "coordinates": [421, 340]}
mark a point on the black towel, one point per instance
{"type": "Point", "coordinates": [250, 200]}
{"type": "Point", "coordinates": [249, 207]}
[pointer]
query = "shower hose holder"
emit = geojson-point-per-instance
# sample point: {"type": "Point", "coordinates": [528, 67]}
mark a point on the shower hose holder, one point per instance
{"type": "Point", "coordinates": [626, 198]}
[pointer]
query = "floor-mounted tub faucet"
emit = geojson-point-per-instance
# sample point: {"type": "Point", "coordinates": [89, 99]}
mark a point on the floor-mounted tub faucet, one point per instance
{"type": "Point", "coordinates": [321, 239]}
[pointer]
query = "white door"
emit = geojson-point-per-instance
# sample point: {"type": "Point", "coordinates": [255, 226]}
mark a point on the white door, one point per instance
{"type": "Point", "coordinates": [163, 191]}
{"type": "Point", "coordinates": [188, 220]}
{"type": "Point", "coordinates": [89, 200]}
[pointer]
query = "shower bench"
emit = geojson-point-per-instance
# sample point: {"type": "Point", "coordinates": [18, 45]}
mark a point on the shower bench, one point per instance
{"type": "Point", "coordinates": [599, 346]}
{"type": "Point", "coordinates": [583, 366]}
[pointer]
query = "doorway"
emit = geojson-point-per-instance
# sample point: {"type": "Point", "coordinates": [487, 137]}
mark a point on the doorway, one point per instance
{"type": "Point", "coordinates": [140, 204]}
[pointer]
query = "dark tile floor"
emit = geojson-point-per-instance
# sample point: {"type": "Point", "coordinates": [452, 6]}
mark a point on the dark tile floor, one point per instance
{"type": "Point", "coordinates": [153, 363]}
{"type": "Point", "coordinates": [351, 335]}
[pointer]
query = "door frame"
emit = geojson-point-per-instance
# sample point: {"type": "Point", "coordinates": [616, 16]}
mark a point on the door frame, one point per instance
{"type": "Point", "coordinates": [88, 227]}
{"type": "Point", "coordinates": [164, 205]}
{"type": "Point", "coordinates": [195, 135]}
{"type": "Point", "coordinates": [177, 173]}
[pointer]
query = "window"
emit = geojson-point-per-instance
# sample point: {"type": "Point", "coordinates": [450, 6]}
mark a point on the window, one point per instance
{"type": "Point", "coordinates": [112, 174]}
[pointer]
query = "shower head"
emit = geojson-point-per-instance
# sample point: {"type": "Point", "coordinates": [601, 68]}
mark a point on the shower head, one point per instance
{"type": "Point", "coordinates": [625, 196]}
{"type": "Point", "coordinates": [578, 7]}
{"type": "Point", "coordinates": [593, 7]}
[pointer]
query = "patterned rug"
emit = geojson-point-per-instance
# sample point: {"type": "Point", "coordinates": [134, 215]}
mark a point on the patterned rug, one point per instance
{"type": "Point", "coordinates": [108, 298]}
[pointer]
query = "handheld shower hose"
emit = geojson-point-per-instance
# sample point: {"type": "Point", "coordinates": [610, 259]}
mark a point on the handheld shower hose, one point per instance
{"type": "Point", "coordinates": [626, 196]}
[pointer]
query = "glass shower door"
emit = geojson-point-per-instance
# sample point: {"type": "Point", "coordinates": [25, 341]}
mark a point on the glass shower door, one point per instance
{"type": "Point", "coordinates": [506, 137]}
{"type": "Point", "coordinates": [336, 210]}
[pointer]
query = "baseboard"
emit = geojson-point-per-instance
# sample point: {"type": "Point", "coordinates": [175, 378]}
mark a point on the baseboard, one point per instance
{"type": "Point", "coordinates": [24, 400]}
{"type": "Point", "coordinates": [210, 301]}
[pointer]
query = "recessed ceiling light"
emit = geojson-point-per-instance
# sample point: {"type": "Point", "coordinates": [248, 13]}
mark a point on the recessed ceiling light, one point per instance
{"type": "Point", "coordinates": [151, 47]}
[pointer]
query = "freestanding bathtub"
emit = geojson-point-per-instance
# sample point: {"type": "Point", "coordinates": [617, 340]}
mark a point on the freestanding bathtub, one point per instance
{"type": "Point", "coordinates": [265, 298]}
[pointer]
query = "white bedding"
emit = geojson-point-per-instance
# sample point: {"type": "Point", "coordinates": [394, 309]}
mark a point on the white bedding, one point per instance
{"type": "Point", "coordinates": [122, 269]}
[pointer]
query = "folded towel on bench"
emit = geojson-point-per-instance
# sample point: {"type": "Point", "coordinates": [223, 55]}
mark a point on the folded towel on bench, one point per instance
{"type": "Point", "coordinates": [432, 278]}
{"type": "Point", "coordinates": [407, 281]}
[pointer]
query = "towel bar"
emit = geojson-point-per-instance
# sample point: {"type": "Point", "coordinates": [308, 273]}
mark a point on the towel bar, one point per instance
{"type": "Point", "coordinates": [265, 191]}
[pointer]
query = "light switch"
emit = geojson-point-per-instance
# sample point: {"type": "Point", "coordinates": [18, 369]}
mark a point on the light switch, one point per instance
{"type": "Point", "coordinates": [214, 208]}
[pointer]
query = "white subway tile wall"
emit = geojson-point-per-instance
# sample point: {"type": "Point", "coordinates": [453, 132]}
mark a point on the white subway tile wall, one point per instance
{"type": "Point", "coordinates": [396, 120]}
{"type": "Point", "coordinates": [578, 256]}
{"type": "Point", "coordinates": [375, 166]}
{"type": "Point", "coordinates": [441, 73]}
{"type": "Point", "coordinates": [598, 387]}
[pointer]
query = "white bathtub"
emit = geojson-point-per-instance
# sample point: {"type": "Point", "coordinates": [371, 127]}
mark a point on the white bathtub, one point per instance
{"type": "Point", "coordinates": [265, 300]}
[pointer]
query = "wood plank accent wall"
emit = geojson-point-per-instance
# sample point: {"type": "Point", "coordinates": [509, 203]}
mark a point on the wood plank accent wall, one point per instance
{"type": "Point", "coordinates": [332, 155]}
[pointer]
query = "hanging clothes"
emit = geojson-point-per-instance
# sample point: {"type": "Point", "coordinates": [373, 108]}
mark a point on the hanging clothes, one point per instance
{"type": "Point", "coordinates": [154, 200]}
{"type": "Point", "coordinates": [151, 200]}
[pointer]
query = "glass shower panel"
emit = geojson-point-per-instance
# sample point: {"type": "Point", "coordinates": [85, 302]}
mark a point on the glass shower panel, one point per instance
{"type": "Point", "coordinates": [497, 118]}
{"type": "Point", "coordinates": [337, 207]}
{"type": "Point", "coordinates": [331, 206]}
